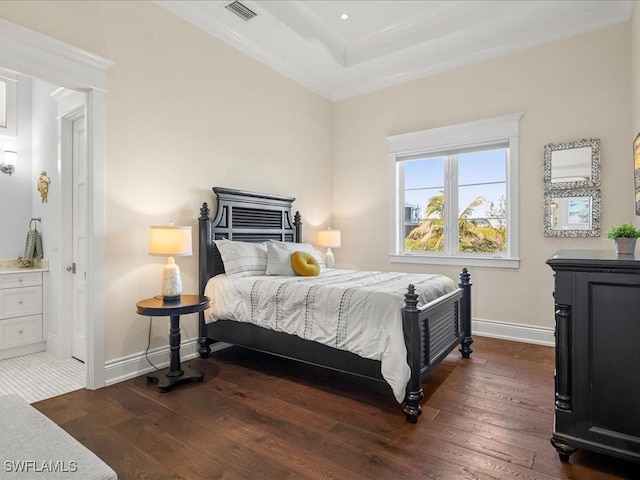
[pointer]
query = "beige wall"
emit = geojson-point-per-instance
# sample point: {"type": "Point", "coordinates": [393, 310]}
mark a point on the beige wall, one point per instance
{"type": "Point", "coordinates": [567, 90]}
{"type": "Point", "coordinates": [635, 73]}
{"type": "Point", "coordinates": [185, 112]}
{"type": "Point", "coordinates": [635, 80]}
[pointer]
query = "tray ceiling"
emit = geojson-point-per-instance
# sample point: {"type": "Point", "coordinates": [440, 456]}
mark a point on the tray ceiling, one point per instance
{"type": "Point", "coordinates": [385, 43]}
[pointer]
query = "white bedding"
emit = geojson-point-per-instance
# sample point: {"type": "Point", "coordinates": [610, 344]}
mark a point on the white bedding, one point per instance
{"type": "Point", "coordinates": [346, 309]}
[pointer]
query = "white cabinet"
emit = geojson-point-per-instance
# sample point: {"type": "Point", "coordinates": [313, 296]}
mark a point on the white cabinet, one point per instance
{"type": "Point", "coordinates": [17, 280]}
{"type": "Point", "coordinates": [20, 311]}
{"type": "Point", "coordinates": [16, 332]}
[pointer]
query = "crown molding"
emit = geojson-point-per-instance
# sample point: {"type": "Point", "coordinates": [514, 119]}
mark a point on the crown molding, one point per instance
{"type": "Point", "coordinates": [26, 51]}
{"type": "Point", "coordinates": [234, 36]}
{"type": "Point", "coordinates": [319, 57]}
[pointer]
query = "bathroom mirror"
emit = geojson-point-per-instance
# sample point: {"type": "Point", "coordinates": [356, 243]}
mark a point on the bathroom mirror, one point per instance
{"type": "Point", "coordinates": [572, 164]}
{"type": "Point", "coordinates": [572, 213]}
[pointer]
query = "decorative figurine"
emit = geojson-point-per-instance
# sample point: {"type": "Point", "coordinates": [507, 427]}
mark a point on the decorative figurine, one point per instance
{"type": "Point", "coordinates": [43, 186]}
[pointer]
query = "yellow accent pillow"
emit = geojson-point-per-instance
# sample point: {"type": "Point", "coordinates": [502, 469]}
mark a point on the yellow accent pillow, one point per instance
{"type": "Point", "coordinates": [305, 264]}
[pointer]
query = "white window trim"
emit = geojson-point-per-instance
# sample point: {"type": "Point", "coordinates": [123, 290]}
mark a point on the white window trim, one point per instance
{"type": "Point", "coordinates": [11, 113]}
{"type": "Point", "coordinates": [504, 128]}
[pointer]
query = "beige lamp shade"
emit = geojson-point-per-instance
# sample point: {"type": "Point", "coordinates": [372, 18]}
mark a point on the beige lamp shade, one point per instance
{"type": "Point", "coordinates": [329, 238]}
{"type": "Point", "coordinates": [170, 241]}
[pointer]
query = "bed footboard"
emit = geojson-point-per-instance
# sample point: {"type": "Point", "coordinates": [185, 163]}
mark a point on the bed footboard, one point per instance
{"type": "Point", "coordinates": [431, 332]}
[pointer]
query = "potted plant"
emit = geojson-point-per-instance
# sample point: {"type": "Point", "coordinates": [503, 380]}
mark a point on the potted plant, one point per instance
{"type": "Point", "coordinates": [624, 238]}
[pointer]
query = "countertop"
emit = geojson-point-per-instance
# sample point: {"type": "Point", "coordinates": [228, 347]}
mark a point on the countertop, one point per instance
{"type": "Point", "coordinates": [8, 266]}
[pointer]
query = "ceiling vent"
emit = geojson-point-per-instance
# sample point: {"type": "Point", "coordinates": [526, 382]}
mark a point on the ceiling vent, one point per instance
{"type": "Point", "coordinates": [242, 11]}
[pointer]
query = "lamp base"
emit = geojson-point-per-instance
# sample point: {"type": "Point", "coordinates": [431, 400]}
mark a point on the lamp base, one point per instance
{"type": "Point", "coordinates": [171, 286]}
{"type": "Point", "coordinates": [329, 259]}
{"type": "Point", "coordinates": [170, 298]}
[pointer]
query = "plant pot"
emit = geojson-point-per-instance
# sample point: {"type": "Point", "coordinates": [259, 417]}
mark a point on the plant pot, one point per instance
{"type": "Point", "coordinates": [624, 245]}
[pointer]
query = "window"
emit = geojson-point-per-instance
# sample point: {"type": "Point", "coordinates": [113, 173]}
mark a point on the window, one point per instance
{"type": "Point", "coordinates": [456, 194]}
{"type": "Point", "coordinates": [8, 117]}
{"type": "Point", "coordinates": [3, 103]}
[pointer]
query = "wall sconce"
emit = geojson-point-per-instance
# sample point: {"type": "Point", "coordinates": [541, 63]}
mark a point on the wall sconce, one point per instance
{"type": "Point", "coordinates": [9, 164]}
{"type": "Point", "coordinates": [170, 241]}
{"type": "Point", "coordinates": [330, 239]}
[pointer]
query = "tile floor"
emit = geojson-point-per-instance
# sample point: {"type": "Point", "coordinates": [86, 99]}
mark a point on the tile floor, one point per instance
{"type": "Point", "coordinates": [40, 375]}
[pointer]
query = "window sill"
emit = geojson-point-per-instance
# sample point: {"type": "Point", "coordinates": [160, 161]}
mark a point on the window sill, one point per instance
{"type": "Point", "coordinates": [459, 261]}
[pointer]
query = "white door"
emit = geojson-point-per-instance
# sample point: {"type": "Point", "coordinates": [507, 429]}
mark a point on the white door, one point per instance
{"type": "Point", "coordinates": [80, 241]}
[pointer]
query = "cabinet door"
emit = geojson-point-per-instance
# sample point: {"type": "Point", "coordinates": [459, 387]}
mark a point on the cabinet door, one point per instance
{"type": "Point", "coordinates": [22, 279]}
{"type": "Point", "coordinates": [20, 302]}
{"type": "Point", "coordinates": [20, 331]}
{"type": "Point", "coordinates": [605, 359]}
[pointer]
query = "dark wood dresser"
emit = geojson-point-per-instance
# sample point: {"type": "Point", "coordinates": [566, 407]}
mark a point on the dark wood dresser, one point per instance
{"type": "Point", "coordinates": [597, 376]}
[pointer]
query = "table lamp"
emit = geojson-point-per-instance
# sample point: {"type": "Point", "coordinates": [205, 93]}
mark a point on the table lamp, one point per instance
{"type": "Point", "coordinates": [330, 239]}
{"type": "Point", "coordinates": [170, 241]}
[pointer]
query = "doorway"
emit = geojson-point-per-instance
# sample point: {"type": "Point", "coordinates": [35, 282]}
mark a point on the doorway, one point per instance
{"type": "Point", "coordinates": [51, 141]}
{"type": "Point", "coordinates": [33, 54]}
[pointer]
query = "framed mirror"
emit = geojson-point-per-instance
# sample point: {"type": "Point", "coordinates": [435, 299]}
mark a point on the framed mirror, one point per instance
{"type": "Point", "coordinates": [572, 164]}
{"type": "Point", "coordinates": [572, 213]}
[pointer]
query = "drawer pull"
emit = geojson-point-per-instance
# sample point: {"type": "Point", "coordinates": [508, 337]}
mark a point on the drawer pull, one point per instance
{"type": "Point", "coordinates": [20, 331]}
{"type": "Point", "coordinates": [20, 280]}
{"type": "Point", "coordinates": [20, 302]}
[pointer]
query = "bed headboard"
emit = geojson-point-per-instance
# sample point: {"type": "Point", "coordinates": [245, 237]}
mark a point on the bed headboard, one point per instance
{"type": "Point", "coordinates": [244, 216]}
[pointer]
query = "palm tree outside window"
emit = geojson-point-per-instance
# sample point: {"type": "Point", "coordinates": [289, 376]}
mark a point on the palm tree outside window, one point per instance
{"type": "Point", "coordinates": [461, 198]}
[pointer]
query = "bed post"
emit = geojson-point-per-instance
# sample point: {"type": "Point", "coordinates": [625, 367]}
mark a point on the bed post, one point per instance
{"type": "Point", "coordinates": [204, 230]}
{"type": "Point", "coordinates": [410, 323]}
{"type": "Point", "coordinates": [297, 223]}
{"type": "Point", "coordinates": [465, 285]}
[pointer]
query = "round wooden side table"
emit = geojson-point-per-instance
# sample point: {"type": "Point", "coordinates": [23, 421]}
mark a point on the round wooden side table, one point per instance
{"type": "Point", "coordinates": [168, 377]}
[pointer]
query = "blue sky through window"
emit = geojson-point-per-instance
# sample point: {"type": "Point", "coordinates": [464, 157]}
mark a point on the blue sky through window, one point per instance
{"type": "Point", "coordinates": [481, 173]}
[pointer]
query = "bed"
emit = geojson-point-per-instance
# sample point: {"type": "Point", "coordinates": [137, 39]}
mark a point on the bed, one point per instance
{"type": "Point", "coordinates": [431, 331]}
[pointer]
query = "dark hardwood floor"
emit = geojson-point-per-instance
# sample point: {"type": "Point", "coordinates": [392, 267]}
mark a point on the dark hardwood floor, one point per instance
{"type": "Point", "coordinates": [260, 417]}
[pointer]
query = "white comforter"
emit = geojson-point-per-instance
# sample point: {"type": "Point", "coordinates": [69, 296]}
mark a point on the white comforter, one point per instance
{"type": "Point", "coordinates": [346, 309]}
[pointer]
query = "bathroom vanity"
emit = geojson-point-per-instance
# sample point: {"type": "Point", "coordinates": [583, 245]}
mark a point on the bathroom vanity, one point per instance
{"type": "Point", "coordinates": [21, 308]}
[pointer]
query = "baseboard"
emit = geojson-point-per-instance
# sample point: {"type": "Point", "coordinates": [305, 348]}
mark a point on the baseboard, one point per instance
{"type": "Point", "coordinates": [22, 350]}
{"type": "Point", "coordinates": [514, 332]}
{"type": "Point", "coordinates": [131, 366]}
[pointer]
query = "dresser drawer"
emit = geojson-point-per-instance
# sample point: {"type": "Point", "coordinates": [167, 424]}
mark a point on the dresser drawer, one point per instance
{"type": "Point", "coordinates": [20, 331]}
{"type": "Point", "coordinates": [20, 302]}
{"type": "Point", "coordinates": [15, 280]}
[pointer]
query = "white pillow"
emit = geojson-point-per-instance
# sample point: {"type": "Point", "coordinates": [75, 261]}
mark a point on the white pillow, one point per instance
{"type": "Point", "coordinates": [279, 259]}
{"type": "Point", "coordinates": [243, 259]}
{"type": "Point", "coordinates": [302, 247]}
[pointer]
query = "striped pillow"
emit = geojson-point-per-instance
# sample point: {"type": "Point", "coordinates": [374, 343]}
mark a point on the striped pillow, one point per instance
{"type": "Point", "coordinates": [243, 259]}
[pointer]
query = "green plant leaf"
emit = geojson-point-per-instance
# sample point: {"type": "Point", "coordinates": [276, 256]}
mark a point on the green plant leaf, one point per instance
{"type": "Point", "coordinates": [624, 230]}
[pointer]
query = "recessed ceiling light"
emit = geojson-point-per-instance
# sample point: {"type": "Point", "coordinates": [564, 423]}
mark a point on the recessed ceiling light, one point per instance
{"type": "Point", "coordinates": [344, 16]}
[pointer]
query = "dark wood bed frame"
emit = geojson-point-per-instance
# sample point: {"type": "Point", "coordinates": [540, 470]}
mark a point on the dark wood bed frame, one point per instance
{"type": "Point", "coordinates": [431, 331]}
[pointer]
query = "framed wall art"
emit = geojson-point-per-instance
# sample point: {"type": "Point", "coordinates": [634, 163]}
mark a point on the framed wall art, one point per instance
{"type": "Point", "coordinates": [579, 211]}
